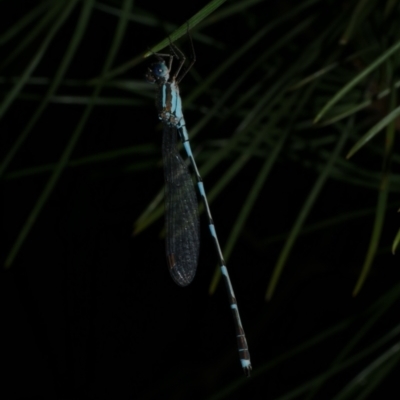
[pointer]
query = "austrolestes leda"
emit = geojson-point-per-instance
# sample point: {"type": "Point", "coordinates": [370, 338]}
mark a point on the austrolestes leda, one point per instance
{"type": "Point", "coordinates": [181, 207]}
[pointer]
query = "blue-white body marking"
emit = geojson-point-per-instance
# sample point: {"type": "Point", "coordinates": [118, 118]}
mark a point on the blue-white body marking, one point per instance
{"type": "Point", "coordinates": [213, 232]}
{"type": "Point", "coordinates": [200, 185]}
{"type": "Point", "coordinates": [188, 149]}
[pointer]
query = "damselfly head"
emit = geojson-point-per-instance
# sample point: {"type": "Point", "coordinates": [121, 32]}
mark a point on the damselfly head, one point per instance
{"type": "Point", "coordinates": [157, 72]}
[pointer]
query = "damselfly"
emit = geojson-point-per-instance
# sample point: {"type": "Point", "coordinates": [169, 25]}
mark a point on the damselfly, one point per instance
{"type": "Point", "coordinates": [181, 208]}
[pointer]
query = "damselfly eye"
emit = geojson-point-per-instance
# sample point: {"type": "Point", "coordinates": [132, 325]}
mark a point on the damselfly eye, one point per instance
{"type": "Point", "coordinates": [159, 69]}
{"type": "Point", "coordinates": [150, 76]}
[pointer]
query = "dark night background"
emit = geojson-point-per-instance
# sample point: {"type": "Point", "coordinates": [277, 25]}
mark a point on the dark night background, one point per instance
{"type": "Point", "coordinates": [90, 311]}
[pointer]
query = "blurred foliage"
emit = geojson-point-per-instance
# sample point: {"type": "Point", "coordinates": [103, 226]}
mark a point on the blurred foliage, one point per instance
{"type": "Point", "coordinates": [280, 94]}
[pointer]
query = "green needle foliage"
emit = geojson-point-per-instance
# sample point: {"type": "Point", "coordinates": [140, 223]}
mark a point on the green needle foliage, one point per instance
{"type": "Point", "coordinates": [292, 109]}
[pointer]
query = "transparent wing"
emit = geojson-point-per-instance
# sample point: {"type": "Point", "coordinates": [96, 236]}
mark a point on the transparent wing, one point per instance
{"type": "Point", "coordinates": [181, 213]}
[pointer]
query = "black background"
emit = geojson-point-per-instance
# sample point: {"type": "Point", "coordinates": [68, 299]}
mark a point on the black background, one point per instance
{"type": "Point", "coordinates": [89, 311]}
